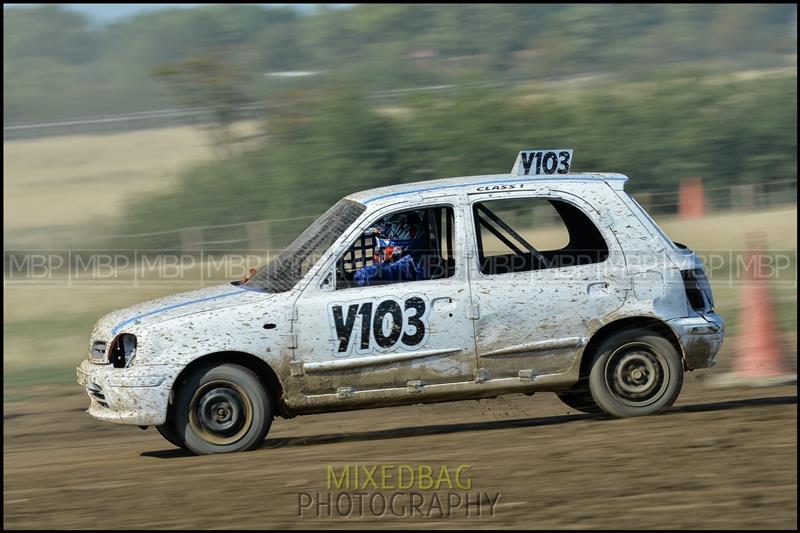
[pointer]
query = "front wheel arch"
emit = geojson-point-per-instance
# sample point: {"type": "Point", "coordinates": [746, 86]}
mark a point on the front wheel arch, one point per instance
{"type": "Point", "coordinates": [262, 369]}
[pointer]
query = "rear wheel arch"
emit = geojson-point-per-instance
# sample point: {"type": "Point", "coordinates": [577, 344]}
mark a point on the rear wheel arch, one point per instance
{"type": "Point", "coordinates": [656, 325]}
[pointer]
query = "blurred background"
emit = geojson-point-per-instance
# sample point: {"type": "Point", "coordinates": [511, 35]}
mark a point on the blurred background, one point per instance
{"type": "Point", "coordinates": [230, 127]}
{"type": "Point", "coordinates": [211, 135]}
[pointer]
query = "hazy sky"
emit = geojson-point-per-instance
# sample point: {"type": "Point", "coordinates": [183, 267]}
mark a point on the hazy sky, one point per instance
{"type": "Point", "coordinates": [101, 13]}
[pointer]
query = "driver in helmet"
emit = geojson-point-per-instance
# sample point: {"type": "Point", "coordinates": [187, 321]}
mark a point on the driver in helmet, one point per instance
{"type": "Point", "coordinates": [399, 241]}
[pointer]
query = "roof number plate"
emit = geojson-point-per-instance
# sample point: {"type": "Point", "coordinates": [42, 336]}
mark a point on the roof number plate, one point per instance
{"type": "Point", "coordinates": [542, 162]}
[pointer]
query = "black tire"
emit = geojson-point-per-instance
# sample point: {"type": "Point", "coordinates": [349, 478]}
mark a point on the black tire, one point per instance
{"type": "Point", "coordinates": [580, 400]}
{"type": "Point", "coordinates": [222, 409]}
{"type": "Point", "coordinates": [168, 431]}
{"type": "Point", "coordinates": [635, 373]}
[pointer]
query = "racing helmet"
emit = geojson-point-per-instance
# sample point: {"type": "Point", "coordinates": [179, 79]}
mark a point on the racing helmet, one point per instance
{"type": "Point", "coordinates": [397, 235]}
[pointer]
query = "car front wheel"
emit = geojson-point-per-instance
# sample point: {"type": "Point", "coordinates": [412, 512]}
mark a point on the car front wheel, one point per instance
{"type": "Point", "coordinates": [635, 373]}
{"type": "Point", "coordinates": [222, 409]}
{"type": "Point", "coordinates": [169, 432]}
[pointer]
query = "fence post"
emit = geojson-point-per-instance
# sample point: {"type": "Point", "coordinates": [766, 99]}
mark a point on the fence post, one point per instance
{"type": "Point", "coordinates": [742, 197]}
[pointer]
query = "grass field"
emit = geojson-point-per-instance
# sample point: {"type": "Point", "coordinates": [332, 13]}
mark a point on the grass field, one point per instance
{"type": "Point", "coordinates": [56, 186]}
{"type": "Point", "coordinates": [70, 181]}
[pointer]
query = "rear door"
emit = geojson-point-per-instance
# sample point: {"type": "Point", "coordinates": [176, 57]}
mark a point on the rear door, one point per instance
{"type": "Point", "coordinates": [545, 267]}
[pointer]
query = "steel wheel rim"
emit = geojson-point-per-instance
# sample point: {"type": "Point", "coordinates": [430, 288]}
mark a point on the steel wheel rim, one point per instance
{"type": "Point", "coordinates": [637, 374]}
{"type": "Point", "coordinates": [220, 412]}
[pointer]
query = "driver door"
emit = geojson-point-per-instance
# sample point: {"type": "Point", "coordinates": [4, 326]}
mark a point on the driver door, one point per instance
{"type": "Point", "coordinates": [394, 334]}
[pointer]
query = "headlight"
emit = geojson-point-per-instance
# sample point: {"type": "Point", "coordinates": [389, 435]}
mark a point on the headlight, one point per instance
{"type": "Point", "coordinates": [123, 350]}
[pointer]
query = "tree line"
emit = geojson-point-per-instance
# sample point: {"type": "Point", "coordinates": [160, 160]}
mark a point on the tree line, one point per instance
{"type": "Point", "coordinates": [58, 64]}
{"type": "Point", "coordinates": [321, 149]}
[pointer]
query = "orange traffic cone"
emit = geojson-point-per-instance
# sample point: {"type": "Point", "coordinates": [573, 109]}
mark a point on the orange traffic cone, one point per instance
{"type": "Point", "coordinates": [758, 356]}
{"type": "Point", "coordinates": [691, 198]}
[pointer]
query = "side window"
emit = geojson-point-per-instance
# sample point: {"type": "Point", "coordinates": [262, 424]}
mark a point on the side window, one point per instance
{"type": "Point", "coordinates": [404, 246]}
{"type": "Point", "coordinates": [523, 234]}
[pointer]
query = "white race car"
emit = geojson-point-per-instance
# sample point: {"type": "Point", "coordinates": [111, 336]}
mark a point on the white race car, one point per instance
{"type": "Point", "coordinates": [422, 292]}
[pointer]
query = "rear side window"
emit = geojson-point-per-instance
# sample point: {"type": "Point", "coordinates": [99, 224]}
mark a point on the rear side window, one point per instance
{"type": "Point", "coordinates": [652, 223]}
{"type": "Point", "coordinates": [523, 234]}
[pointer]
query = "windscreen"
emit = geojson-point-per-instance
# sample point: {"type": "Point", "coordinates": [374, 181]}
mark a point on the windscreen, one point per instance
{"type": "Point", "coordinates": [288, 267]}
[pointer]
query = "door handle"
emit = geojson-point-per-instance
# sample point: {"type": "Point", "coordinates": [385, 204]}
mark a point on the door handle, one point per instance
{"type": "Point", "coordinates": [443, 303]}
{"type": "Point", "coordinates": [597, 288]}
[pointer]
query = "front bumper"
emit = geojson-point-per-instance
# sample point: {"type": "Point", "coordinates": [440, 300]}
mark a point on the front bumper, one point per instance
{"type": "Point", "coordinates": [700, 338]}
{"type": "Point", "coordinates": [136, 395]}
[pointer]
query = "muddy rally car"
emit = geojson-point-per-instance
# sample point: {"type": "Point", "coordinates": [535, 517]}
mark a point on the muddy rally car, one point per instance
{"type": "Point", "coordinates": [461, 288]}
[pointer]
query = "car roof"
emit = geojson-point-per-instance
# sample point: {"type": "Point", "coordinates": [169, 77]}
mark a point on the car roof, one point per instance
{"type": "Point", "coordinates": [396, 193]}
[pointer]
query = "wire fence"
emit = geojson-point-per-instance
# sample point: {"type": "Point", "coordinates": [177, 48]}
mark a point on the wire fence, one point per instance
{"type": "Point", "coordinates": [171, 117]}
{"type": "Point", "coordinates": [159, 118]}
{"type": "Point", "coordinates": [275, 233]}
{"type": "Point", "coordinates": [188, 256]}
{"type": "Point", "coordinates": [742, 197]}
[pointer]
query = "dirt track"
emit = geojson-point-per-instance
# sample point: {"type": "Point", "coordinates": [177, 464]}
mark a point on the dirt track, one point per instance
{"type": "Point", "coordinates": [719, 459]}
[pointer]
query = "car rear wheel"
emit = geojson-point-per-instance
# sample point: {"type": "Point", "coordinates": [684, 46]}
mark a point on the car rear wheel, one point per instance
{"type": "Point", "coordinates": [635, 373]}
{"type": "Point", "coordinates": [580, 400]}
{"type": "Point", "coordinates": [222, 409]}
